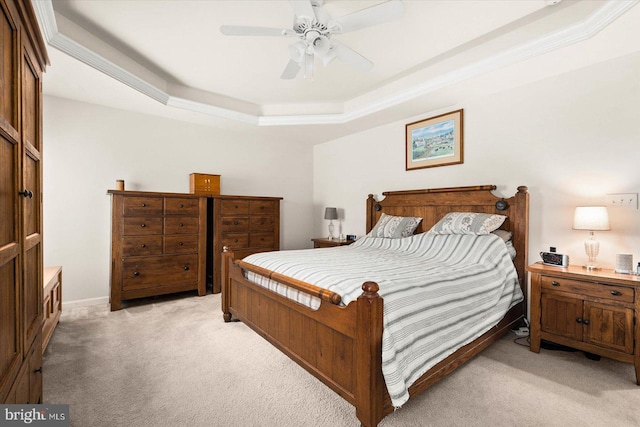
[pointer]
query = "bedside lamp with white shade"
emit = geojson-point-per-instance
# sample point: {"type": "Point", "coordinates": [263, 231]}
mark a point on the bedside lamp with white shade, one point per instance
{"type": "Point", "coordinates": [330, 214]}
{"type": "Point", "coordinates": [591, 218]}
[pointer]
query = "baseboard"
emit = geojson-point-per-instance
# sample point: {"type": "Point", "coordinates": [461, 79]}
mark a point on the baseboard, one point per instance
{"type": "Point", "coordinates": [84, 303]}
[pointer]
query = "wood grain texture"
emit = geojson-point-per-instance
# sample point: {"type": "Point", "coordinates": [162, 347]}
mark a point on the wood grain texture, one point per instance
{"type": "Point", "coordinates": [594, 311]}
{"type": "Point", "coordinates": [341, 346]}
{"type": "Point", "coordinates": [158, 244]}
{"type": "Point", "coordinates": [23, 59]}
{"type": "Point", "coordinates": [245, 224]}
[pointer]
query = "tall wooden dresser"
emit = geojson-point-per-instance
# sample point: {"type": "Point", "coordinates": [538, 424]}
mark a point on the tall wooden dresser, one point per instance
{"type": "Point", "coordinates": [158, 244]}
{"type": "Point", "coordinates": [23, 59]}
{"type": "Point", "coordinates": [244, 224]}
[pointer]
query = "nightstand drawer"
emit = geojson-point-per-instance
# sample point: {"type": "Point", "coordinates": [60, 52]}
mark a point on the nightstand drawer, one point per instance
{"type": "Point", "coordinates": [618, 293]}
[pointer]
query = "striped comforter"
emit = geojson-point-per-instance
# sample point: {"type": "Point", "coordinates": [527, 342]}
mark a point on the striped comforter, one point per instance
{"type": "Point", "coordinates": [440, 292]}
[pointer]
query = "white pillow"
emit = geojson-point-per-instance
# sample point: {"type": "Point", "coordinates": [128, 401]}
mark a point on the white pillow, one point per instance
{"type": "Point", "coordinates": [394, 227]}
{"type": "Point", "coordinates": [468, 223]}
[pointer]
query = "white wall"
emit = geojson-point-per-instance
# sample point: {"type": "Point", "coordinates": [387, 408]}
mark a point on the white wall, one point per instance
{"type": "Point", "coordinates": [88, 147]}
{"type": "Point", "coordinates": [571, 139]}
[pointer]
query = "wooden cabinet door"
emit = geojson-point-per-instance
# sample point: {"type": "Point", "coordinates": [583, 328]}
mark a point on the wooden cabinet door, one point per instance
{"type": "Point", "coordinates": [32, 201]}
{"type": "Point", "coordinates": [609, 326]}
{"type": "Point", "coordinates": [561, 315]}
{"type": "Point", "coordinates": [10, 246]}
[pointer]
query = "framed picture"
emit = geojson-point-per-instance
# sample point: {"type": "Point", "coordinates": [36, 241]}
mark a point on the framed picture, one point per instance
{"type": "Point", "coordinates": [436, 141]}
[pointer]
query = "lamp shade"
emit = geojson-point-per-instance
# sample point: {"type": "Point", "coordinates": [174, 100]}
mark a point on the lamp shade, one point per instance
{"type": "Point", "coordinates": [591, 218]}
{"type": "Point", "coordinates": [330, 213]}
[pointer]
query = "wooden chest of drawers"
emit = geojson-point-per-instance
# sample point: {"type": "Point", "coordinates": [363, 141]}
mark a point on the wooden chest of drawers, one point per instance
{"type": "Point", "coordinates": [246, 225]}
{"type": "Point", "coordinates": [158, 244]}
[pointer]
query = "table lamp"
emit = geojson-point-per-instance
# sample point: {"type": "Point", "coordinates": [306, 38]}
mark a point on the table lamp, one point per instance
{"type": "Point", "coordinates": [330, 214]}
{"type": "Point", "coordinates": [591, 218]}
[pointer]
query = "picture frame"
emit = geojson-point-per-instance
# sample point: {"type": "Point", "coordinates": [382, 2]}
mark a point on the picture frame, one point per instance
{"type": "Point", "coordinates": [435, 141]}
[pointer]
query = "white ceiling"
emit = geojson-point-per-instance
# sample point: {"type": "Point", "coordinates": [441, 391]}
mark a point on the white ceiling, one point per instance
{"type": "Point", "coordinates": [174, 61]}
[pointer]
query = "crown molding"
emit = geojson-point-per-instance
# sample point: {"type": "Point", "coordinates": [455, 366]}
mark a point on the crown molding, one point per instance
{"type": "Point", "coordinates": [591, 26]}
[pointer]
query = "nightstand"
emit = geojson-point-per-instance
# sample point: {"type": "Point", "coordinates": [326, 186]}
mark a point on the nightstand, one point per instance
{"type": "Point", "coordinates": [326, 243]}
{"type": "Point", "coordinates": [590, 310]}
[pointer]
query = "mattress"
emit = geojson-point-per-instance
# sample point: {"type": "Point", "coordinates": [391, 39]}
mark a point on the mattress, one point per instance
{"type": "Point", "coordinates": [440, 292]}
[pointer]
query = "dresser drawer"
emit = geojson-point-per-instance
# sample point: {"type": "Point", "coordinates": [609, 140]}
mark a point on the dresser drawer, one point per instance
{"type": "Point", "coordinates": [135, 226]}
{"type": "Point", "coordinates": [618, 293]}
{"type": "Point", "coordinates": [235, 207]}
{"type": "Point", "coordinates": [261, 240]}
{"type": "Point", "coordinates": [262, 207]}
{"type": "Point", "coordinates": [142, 245]}
{"type": "Point", "coordinates": [234, 224]}
{"type": "Point", "coordinates": [236, 240]}
{"type": "Point", "coordinates": [181, 206]}
{"type": "Point", "coordinates": [138, 273]}
{"type": "Point", "coordinates": [181, 225]}
{"type": "Point", "coordinates": [262, 223]}
{"type": "Point", "coordinates": [140, 206]}
{"type": "Point", "coordinates": [181, 244]}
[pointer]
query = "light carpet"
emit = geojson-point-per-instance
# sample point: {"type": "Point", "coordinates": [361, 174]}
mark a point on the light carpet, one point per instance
{"type": "Point", "coordinates": [173, 361]}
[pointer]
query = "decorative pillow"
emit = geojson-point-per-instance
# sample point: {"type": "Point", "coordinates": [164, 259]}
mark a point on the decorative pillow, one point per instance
{"type": "Point", "coordinates": [503, 234]}
{"type": "Point", "coordinates": [394, 227]}
{"type": "Point", "coordinates": [468, 223]}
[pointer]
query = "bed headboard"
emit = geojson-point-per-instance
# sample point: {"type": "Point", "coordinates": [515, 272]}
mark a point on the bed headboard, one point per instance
{"type": "Point", "coordinates": [433, 204]}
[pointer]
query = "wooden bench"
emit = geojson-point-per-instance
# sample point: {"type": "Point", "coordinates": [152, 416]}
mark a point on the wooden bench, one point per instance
{"type": "Point", "coordinates": [51, 302]}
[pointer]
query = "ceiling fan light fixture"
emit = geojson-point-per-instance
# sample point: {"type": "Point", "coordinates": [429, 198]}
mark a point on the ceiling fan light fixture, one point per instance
{"type": "Point", "coordinates": [314, 27]}
{"type": "Point", "coordinates": [321, 45]}
{"type": "Point", "coordinates": [297, 51]}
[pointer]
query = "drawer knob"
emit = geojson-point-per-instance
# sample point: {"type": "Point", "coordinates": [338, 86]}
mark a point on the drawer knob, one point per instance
{"type": "Point", "coordinates": [181, 225]}
{"type": "Point", "coordinates": [235, 241]}
{"type": "Point", "coordinates": [136, 273]}
{"type": "Point", "coordinates": [585, 321]}
{"type": "Point", "coordinates": [143, 225]}
{"type": "Point", "coordinates": [181, 205]}
{"type": "Point", "coordinates": [235, 222]}
{"type": "Point", "coordinates": [616, 293]}
{"type": "Point", "coordinates": [554, 283]}
{"type": "Point", "coordinates": [180, 244]}
{"type": "Point", "coordinates": [579, 320]}
{"type": "Point", "coordinates": [38, 370]}
{"type": "Point", "coordinates": [144, 205]}
{"type": "Point", "coordinates": [143, 245]}
{"type": "Point", "coordinates": [186, 268]}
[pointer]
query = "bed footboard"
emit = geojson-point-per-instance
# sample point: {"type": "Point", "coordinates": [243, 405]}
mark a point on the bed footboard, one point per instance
{"type": "Point", "coordinates": [341, 346]}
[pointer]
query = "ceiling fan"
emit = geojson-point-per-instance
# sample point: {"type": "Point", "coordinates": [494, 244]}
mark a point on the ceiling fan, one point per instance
{"type": "Point", "coordinates": [314, 27]}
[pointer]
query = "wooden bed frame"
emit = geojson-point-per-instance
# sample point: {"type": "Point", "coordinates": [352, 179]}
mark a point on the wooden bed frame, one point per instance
{"type": "Point", "coordinates": [341, 346]}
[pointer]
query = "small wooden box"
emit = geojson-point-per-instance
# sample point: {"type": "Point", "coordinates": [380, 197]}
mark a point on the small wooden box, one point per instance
{"type": "Point", "coordinates": [205, 184]}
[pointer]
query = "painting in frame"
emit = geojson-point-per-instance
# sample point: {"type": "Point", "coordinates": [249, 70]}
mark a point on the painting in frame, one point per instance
{"type": "Point", "coordinates": [436, 141]}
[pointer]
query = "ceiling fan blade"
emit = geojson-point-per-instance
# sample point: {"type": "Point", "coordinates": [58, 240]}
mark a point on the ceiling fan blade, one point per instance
{"type": "Point", "coordinates": [241, 30]}
{"type": "Point", "coordinates": [302, 8]}
{"type": "Point", "coordinates": [291, 70]}
{"type": "Point", "coordinates": [374, 15]}
{"type": "Point", "coordinates": [350, 57]}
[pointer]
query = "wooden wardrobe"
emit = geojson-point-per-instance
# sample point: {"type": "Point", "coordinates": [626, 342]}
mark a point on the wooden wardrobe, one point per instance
{"type": "Point", "coordinates": [23, 59]}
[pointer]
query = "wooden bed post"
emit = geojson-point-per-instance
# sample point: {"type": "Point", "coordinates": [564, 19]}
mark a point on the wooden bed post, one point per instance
{"type": "Point", "coordinates": [371, 214]}
{"type": "Point", "coordinates": [227, 257]}
{"type": "Point", "coordinates": [521, 215]}
{"type": "Point", "coordinates": [369, 381]}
